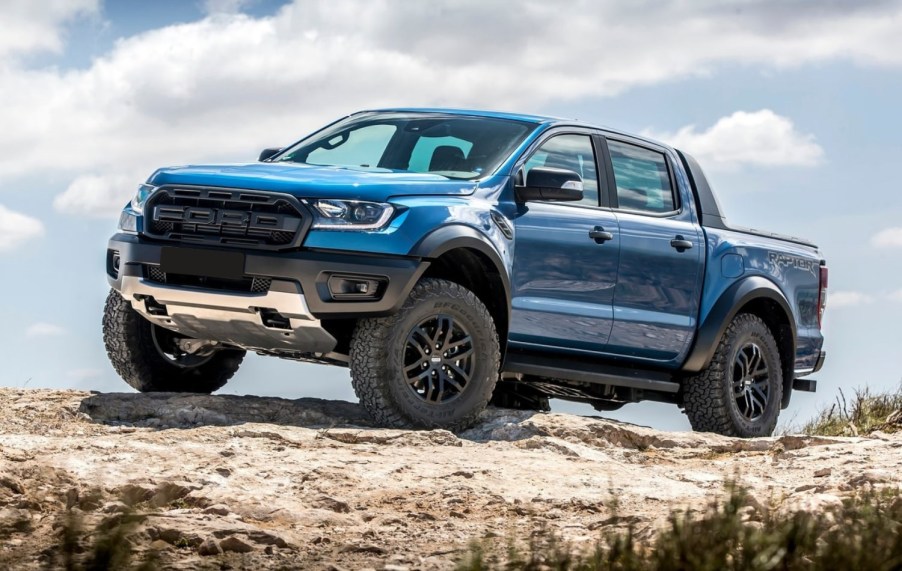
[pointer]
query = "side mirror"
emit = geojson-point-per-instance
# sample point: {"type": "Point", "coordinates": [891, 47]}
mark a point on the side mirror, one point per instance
{"type": "Point", "coordinates": [547, 183]}
{"type": "Point", "coordinates": [267, 154]}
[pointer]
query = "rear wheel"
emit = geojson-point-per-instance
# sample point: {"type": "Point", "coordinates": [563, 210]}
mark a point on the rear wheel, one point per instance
{"type": "Point", "coordinates": [150, 359]}
{"type": "Point", "coordinates": [741, 391]}
{"type": "Point", "coordinates": [432, 364]}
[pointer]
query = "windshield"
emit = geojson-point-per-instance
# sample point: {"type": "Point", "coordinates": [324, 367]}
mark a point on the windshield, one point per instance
{"type": "Point", "coordinates": [449, 145]}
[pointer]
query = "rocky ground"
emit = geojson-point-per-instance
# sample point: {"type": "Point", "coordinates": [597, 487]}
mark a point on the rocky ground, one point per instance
{"type": "Point", "coordinates": [213, 482]}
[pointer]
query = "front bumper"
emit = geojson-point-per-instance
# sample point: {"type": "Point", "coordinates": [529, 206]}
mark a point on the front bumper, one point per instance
{"type": "Point", "coordinates": [285, 317]}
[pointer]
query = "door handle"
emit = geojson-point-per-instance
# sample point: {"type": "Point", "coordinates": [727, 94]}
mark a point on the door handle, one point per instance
{"type": "Point", "coordinates": [600, 235]}
{"type": "Point", "coordinates": [680, 244]}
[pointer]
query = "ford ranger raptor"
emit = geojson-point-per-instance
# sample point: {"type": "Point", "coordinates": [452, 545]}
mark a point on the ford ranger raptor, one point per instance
{"type": "Point", "coordinates": [453, 258]}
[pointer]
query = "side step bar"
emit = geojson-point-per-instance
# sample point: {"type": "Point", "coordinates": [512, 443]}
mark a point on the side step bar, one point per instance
{"type": "Point", "coordinates": [576, 369]}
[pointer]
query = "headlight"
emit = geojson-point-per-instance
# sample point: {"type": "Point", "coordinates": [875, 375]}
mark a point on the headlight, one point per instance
{"type": "Point", "coordinates": [144, 192]}
{"type": "Point", "coordinates": [350, 214]}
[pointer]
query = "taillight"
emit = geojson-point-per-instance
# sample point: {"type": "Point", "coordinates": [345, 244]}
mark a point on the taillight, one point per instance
{"type": "Point", "coordinates": [822, 296]}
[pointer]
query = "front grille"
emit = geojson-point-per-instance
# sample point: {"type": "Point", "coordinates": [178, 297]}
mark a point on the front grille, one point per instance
{"type": "Point", "coordinates": [226, 217]}
{"type": "Point", "coordinates": [252, 284]}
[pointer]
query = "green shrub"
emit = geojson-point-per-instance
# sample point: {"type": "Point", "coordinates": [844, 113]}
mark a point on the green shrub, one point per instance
{"type": "Point", "coordinates": [865, 532]}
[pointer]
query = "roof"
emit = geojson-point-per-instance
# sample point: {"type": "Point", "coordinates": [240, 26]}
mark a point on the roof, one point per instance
{"type": "Point", "coordinates": [476, 113]}
{"type": "Point", "coordinates": [539, 119]}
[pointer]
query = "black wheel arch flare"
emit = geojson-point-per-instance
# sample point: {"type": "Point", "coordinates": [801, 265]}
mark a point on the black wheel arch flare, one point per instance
{"type": "Point", "coordinates": [730, 303]}
{"type": "Point", "coordinates": [458, 236]}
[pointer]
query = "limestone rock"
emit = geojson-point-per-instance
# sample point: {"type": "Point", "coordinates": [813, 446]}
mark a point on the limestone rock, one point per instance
{"type": "Point", "coordinates": [210, 481]}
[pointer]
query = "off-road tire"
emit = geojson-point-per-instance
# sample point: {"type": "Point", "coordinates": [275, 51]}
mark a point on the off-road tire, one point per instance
{"type": "Point", "coordinates": [708, 398]}
{"type": "Point", "coordinates": [377, 364]}
{"type": "Point", "coordinates": [131, 349]}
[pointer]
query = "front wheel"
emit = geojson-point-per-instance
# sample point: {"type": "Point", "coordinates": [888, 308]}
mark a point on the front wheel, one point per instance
{"type": "Point", "coordinates": [433, 364]}
{"type": "Point", "coordinates": [148, 357]}
{"type": "Point", "coordinates": [741, 391]}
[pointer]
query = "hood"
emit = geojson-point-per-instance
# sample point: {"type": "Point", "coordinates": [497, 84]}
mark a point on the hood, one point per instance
{"type": "Point", "coordinates": [314, 181]}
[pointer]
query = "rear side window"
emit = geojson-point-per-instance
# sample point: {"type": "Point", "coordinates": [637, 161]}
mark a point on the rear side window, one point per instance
{"type": "Point", "coordinates": [570, 152]}
{"type": "Point", "coordinates": [643, 181]}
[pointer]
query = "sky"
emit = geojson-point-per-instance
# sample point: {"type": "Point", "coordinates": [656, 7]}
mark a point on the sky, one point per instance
{"type": "Point", "coordinates": [791, 106]}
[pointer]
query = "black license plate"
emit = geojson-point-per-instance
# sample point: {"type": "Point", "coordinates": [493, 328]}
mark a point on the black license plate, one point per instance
{"type": "Point", "coordinates": [207, 263]}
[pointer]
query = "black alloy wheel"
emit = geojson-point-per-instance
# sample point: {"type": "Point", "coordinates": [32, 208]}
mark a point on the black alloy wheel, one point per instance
{"type": "Point", "coordinates": [751, 389]}
{"type": "Point", "coordinates": [740, 392]}
{"type": "Point", "coordinates": [439, 359]}
{"type": "Point", "coordinates": [433, 364]}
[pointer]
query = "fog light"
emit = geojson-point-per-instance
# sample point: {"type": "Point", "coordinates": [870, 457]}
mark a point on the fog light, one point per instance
{"type": "Point", "coordinates": [113, 263]}
{"type": "Point", "coordinates": [355, 287]}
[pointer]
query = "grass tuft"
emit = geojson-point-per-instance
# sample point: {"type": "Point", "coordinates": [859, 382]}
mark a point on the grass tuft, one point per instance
{"type": "Point", "coordinates": [861, 414]}
{"type": "Point", "coordinates": [110, 550]}
{"type": "Point", "coordinates": [734, 533]}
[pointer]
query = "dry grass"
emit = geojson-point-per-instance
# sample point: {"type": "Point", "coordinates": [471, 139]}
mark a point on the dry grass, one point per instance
{"type": "Point", "coordinates": [865, 532]}
{"type": "Point", "coordinates": [861, 414]}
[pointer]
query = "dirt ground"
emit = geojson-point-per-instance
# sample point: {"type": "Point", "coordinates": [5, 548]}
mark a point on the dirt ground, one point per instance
{"type": "Point", "coordinates": [214, 482]}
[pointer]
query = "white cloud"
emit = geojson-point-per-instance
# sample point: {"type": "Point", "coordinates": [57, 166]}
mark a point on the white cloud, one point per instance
{"type": "Point", "coordinates": [16, 228]}
{"type": "Point", "coordinates": [42, 329]}
{"type": "Point", "coordinates": [896, 296]}
{"type": "Point", "coordinates": [888, 238]}
{"type": "Point", "coordinates": [225, 6]}
{"type": "Point", "coordinates": [760, 138]}
{"type": "Point", "coordinates": [839, 299]}
{"type": "Point", "coordinates": [30, 26]}
{"type": "Point", "coordinates": [97, 195]}
{"type": "Point", "coordinates": [223, 87]}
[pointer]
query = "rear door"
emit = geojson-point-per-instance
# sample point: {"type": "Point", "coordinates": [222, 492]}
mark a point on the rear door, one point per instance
{"type": "Point", "coordinates": [656, 298]}
{"type": "Point", "coordinates": [563, 278]}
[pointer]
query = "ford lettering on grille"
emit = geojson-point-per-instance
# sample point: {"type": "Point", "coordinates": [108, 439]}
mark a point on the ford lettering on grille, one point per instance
{"type": "Point", "coordinates": [222, 217]}
{"type": "Point", "coordinates": [227, 217]}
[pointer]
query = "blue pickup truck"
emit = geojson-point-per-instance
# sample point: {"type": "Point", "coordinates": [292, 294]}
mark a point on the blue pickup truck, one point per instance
{"type": "Point", "coordinates": [455, 258]}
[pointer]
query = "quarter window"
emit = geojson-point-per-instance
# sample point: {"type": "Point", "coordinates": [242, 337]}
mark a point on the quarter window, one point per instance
{"type": "Point", "coordinates": [571, 152]}
{"type": "Point", "coordinates": [643, 181]}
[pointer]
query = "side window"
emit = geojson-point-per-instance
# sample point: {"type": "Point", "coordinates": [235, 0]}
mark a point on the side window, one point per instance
{"type": "Point", "coordinates": [571, 152]}
{"type": "Point", "coordinates": [643, 181]}
{"type": "Point", "coordinates": [362, 147]}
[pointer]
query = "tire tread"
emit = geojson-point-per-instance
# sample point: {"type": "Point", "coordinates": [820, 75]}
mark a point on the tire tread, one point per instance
{"type": "Point", "coordinates": [370, 372]}
{"type": "Point", "coordinates": [129, 346]}
{"type": "Point", "coordinates": [705, 398]}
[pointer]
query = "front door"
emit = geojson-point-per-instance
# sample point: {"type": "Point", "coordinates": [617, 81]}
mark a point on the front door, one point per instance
{"type": "Point", "coordinates": [565, 259]}
{"type": "Point", "coordinates": [661, 258]}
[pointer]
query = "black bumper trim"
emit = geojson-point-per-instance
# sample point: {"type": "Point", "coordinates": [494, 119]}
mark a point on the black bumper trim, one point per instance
{"type": "Point", "coordinates": [309, 268]}
{"type": "Point", "coordinates": [820, 361]}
